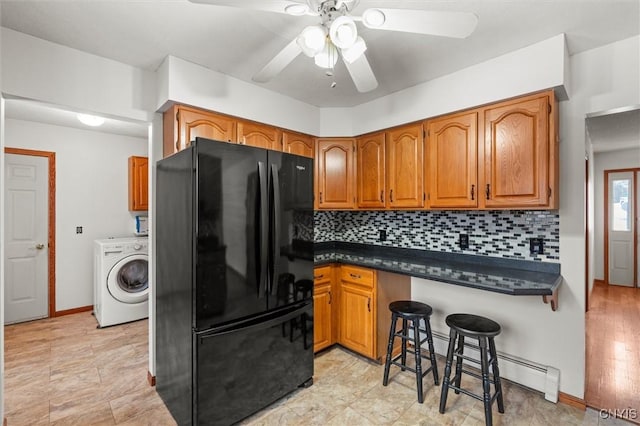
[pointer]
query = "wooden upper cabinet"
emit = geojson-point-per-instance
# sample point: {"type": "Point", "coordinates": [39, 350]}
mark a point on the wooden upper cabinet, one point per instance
{"type": "Point", "coordinates": [138, 183]}
{"type": "Point", "coordinates": [371, 171]}
{"type": "Point", "coordinates": [451, 165]}
{"type": "Point", "coordinates": [518, 157]}
{"type": "Point", "coordinates": [259, 135]}
{"type": "Point", "coordinates": [335, 173]}
{"type": "Point", "coordinates": [183, 124]}
{"type": "Point", "coordinates": [404, 151]}
{"type": "Point", "coordinates": [297, 143]}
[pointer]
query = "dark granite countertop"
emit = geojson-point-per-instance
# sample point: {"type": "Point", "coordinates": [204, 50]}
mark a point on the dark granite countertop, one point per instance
{"type": "Point", "coordinates": [507, 276]}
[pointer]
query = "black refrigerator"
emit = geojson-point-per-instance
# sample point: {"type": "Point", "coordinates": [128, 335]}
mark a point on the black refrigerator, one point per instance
{"type": "Point", "coordinates": [234, 280]}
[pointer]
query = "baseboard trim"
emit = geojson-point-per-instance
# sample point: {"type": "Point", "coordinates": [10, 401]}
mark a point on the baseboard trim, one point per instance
{"type": "Point", "coordinates": [73, 311]}
{"type": "Point", "coordinates": [151, 379]}
{"type": "Point", "coordinates": [571, 400]}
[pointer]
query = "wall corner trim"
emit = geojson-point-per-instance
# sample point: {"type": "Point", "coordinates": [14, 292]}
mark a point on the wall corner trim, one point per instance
{"type": "Point", "coordinates": [572, 401]}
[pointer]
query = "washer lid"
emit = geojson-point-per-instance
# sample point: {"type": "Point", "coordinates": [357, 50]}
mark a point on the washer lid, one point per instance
{"type": "Point", "coordinates": [128, 280]}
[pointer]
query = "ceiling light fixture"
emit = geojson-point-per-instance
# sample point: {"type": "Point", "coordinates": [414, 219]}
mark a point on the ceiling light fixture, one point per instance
{"type": "Point", "coordinates": [328, 57]}
{"type": "Point", "coordinates": [343, 32]}
{"type": "Point", "coordinates": [90, 120]}
{"type": "Point", "coordinates": [312, 40]}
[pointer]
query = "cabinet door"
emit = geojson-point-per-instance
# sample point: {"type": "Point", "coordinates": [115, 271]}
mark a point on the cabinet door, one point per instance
{"type": "Point", "coordinates": [138, 183]}
{"type": "Point", "coordinates": [335, 173]}
{"type": "Point", "coordinates": [259, 135]}
{"type": "Point", "coordinates": [297, 143]}
{"type": "Point", "coordinates": [322, 300]}
{"type": "Point", "coordinates": [194, 123]}
{"type": "Point", "coordinates": [405, 166]}
{"type": "Point", "coordinates": [323, 303]}
{"type": "Point", "coordinates": [357, 319]}
{"type": "Point", "coordinates": [452, 145]}
{"type": "Point", "coordinates": [516, 153]}
{"type": "Point", "coordinates": [371, 171]}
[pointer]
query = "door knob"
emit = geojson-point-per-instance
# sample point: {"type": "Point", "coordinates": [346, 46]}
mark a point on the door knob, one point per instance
{"type": "Point", "coordinates": [40, 246]}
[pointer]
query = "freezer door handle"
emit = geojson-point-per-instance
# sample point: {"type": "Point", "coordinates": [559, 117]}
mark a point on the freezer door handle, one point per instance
{"type": "Point", "coordinates": [275, 237]}
{"type": "Point", "coordinates": [262, 322]}
{"type": "Point", "coordinates": [263, 231]}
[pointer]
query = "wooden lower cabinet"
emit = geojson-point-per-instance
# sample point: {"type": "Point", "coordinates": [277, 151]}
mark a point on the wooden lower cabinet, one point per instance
{"type": "Point", "coordinates": [351, 308]}
{"type": "Point", "coordinates": [323, 302]}
{"type": "Point", "coordinates": [358, 310]}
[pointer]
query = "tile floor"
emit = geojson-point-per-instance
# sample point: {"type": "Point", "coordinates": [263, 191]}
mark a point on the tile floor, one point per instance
{"type": "Point", "coordinates": [64, 371]}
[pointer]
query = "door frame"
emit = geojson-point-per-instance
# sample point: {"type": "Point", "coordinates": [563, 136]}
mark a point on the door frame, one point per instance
{"type": "Point", "coordinates": [635, 171]}
{"type": "Point", "coordinates": [51, 157]}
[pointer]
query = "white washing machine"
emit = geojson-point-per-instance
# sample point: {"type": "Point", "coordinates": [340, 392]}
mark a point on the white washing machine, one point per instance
{"type": "Point", "coordinates": [121, 283]}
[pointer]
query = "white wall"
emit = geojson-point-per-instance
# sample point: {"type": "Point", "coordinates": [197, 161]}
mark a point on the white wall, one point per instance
{"type": "Point", "coordinates": [627, 158]}
{"type": "Point", "coordinates": [184, 82]}
{"type": "Point", "coordinates": [533, 68]}
{"type": "Point", "coordinates": [37, 69]}
{"type": "Point", "coordinates": [91, 191]}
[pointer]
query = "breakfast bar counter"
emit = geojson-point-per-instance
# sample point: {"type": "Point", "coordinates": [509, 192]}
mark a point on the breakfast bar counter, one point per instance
{"type": "Point", "coordinates": [508, 276]}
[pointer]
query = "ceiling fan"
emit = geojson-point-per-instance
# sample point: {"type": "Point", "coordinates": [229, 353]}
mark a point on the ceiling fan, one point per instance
{"type": "Point", "coordinates": [336, 34]}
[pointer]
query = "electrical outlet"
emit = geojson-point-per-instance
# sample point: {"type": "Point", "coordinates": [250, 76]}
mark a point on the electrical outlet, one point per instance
{"type": "Point", "coordinates": [383, 235]}
{"type": "Point", "coordinates": [463, 241]}
{"type": "Point", "coordinates": [78, 229]}
{"type": "Point", "coordinates": [536, 245]}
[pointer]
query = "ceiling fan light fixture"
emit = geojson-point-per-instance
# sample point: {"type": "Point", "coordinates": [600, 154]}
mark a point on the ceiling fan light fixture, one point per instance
{"type": "Point", "coordinates": [373, 18]}
{"type": "Point", "coordinates": [297, 9]}
{"type": "Point", "coordinates": [343, 32]}
{"type": "Point", "coordinates": [328, 57]}
{"type": "Point", "coordinates": [90, 120]}
{"type": "Point", "coordinates": [351, 54]}
{"type": "Point", "coordinates": [312, 40]}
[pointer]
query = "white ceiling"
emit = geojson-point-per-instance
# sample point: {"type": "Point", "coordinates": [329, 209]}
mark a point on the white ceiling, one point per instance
{"type": "Point", "coordinates": [614, 130]}
{"type": "Point", "coordinates": [239, 42]}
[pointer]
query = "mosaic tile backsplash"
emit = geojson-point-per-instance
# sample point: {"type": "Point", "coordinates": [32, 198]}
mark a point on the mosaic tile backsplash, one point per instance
{"type": "Point", "coordinates": [491, 233]}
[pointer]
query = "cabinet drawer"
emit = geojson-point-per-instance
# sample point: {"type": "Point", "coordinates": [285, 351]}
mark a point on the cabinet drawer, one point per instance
{"type": "Point", "coordinates": [321, 274]}
{"type": "Point", "coordinates": [353, 274]}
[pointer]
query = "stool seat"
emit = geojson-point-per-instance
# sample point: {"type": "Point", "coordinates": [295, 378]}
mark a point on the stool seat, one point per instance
{"type": "Point", "coordinates": [473, 325]}
{"type": "Point", "coordinates": [410, 308]}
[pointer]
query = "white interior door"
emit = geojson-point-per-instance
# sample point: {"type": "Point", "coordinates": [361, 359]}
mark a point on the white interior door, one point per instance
{"type": "Point", "coordinates": [26, 232]}
{"type": "Point", "coordinates": [621, 205]}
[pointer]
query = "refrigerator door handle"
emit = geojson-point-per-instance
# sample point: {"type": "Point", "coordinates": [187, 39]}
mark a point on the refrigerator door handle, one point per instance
{"type": "Point", "coordinates": [264, 230]}
{"type": "Point", "coordinates": [275, 185]}
{"type": "Point", "coordinates": [261, 322]}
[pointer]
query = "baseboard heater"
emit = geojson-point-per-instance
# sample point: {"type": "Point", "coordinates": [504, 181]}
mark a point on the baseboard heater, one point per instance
{"type": "Point", "coordinates": [539, 377]}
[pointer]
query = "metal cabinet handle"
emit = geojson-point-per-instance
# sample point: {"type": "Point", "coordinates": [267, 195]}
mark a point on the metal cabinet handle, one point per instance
{"type": "Point", "coordinates": [40, 246]}
{"type": "Point", "coordinates": [329, 296]}
{"type": "Point", "coordinates": [369, 304]}
{"type": "Point", "coordinates": [321, 198]}
{"type": "Point", "coordinates": [317, 277]}
{"type": "Point", "coordinates": [382, 196]}
{"type": "Point", "coordinates": [488, 192]}
{"type": "Point", "coordinates": [391, 195]}
{"type": "Point", "coordinates": [473, 191]}
{"type": "Point", "coordinates": [355, 276]}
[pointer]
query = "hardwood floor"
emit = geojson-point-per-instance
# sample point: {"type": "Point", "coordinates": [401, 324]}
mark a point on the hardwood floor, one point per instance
{"type": "Point", "coordinates": [64, 371]}
{"type": "Point", "coordinates": [613, 349]}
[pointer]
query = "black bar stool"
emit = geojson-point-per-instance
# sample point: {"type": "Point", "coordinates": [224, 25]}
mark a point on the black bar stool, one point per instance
{"type": "Point", "coordinates": [483, 329]}
{"type": "Point", "coordinates": [412, 311]}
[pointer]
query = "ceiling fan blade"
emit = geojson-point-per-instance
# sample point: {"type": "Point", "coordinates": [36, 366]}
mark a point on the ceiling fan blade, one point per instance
{"type": "Point", "coordinates": [278, 6]}
{"type": "Point", "coordinates": [278, 63]}
{"type": "Point", "coordinates": [362, 74]}
{"type": "Point", "coordinates": [430, 22]}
